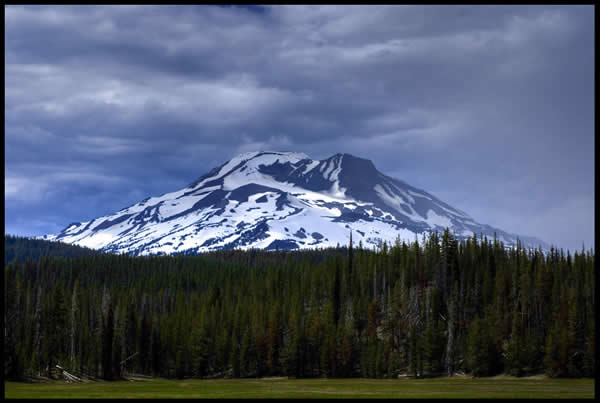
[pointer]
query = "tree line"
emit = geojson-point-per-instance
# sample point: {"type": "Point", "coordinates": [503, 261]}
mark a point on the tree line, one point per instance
{"type": "Point", "coordinates": [429, 308]}
{"type": "Point", "coordinates": [19, 248]}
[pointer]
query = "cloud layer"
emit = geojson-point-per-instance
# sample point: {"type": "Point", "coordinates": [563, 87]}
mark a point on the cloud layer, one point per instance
{"type": "Point", "coordinates": [488, 107]}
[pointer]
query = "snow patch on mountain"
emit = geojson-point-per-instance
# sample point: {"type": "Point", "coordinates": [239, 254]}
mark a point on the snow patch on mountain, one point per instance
{"type": "Point", "coordinates": [277, 200]}
{"type": "Point", "coordinates": [437, 220]}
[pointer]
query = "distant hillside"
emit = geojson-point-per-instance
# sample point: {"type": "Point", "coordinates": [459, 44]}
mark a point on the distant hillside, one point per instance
{"type": "Point", "coordinates": [23, 247]}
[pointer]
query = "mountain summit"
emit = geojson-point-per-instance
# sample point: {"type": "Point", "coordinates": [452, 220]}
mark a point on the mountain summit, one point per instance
{"type": "Point", "coordinates": [278, 200]}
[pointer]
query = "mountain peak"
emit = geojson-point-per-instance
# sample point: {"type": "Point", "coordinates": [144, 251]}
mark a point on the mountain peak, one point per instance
{"type": "Point", "coordinates": [253, 154]}
{"type": "Point", "coordinates": [276, 199]}
{"type": "Point", "coordinates": [350, 160]}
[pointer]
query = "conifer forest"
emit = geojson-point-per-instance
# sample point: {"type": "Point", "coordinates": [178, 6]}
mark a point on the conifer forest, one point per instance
{"type": "Point", "coordinates": [436, 307]}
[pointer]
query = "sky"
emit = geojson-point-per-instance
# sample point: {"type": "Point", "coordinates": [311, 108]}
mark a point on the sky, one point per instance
{"type": "Point", "coordinates": [489, 108]}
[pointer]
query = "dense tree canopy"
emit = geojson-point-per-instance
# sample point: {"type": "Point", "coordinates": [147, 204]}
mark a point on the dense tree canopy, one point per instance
{"type": "Point", "coordinates": [20, 248]}
{"type": "Point", "coordinates": [422, 309]}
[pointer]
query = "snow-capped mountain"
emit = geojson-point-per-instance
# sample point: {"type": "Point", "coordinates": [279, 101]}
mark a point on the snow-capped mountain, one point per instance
{"type": "Point", "coordinates": [278, 200]}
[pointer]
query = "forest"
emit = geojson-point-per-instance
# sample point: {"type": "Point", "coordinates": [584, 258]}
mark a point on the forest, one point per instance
{"type": "Point", "coordinates": [434, 307]}
{"type": "Point", "coordinates": [20, 248]}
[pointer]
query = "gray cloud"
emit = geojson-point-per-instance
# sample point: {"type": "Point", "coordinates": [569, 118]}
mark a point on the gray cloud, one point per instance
{"type": "Point", "coordinates": [488, 107]}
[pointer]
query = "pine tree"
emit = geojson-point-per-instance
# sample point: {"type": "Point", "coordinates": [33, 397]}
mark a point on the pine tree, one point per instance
{"type": "Point", "coordinates": [552, 352]}
{"type": "Point", "coordinates": [451, 345]}
{"type": "Point", "coordinates": [200, 352]}
{"type": "Point", "coordinates": [273, 342]}
{"type": "Point", "coordinates": [413, 353]}
{"type": "Point", "coordinates": [106, 332]}
{"type": "Point", "coordinates": [515, 357]}
{"type": "Point", "coordinates": [234, 360]}
{"type": "Point", "coordinates": [478, 348]}
{"type": "Point", "coordinates": [157, 353]}
{"type": "Point", "coordinates": [145, 341]}
{"type": "Point", "coordinates": [57, 327]}
{"type": "Point", "coordinates": [247, 355]}
{"type": "Point", "coordinates": [180, 362]}
{"type": "Point", "coordinates": [74, 311]}
{"type": "Point", "coordinates": [107, 342]}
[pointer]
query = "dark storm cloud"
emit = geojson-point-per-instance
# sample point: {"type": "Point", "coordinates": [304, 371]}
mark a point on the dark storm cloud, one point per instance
{"type": "Point", "coordinates": [488, 107]}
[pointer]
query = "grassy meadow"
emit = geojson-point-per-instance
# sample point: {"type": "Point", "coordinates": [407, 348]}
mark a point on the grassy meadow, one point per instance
{"type": "Point", "coordinates": [496, 387]}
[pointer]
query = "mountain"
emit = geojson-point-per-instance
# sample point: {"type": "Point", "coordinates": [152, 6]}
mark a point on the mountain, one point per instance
{"type": "Point", "coordinates": [279, 200]}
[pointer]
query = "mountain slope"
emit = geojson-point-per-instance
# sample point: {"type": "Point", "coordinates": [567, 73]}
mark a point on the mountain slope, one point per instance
{"type": "Point", "coordinates": [278, 200]}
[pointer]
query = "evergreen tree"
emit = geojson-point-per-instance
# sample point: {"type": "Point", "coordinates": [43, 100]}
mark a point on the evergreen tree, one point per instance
{"type": "Point", "coordinates": [438, 306]}
{"type": "Point", "coordinates": [478, 348]}
{"type": "Point", "coordinates": [57, 328]}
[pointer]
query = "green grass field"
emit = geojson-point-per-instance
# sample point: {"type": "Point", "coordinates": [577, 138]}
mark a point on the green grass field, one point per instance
{"type": "Point", "coordinates": [498, 387]}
